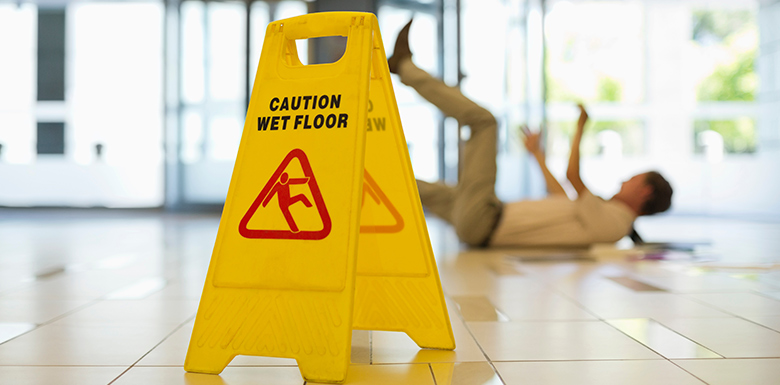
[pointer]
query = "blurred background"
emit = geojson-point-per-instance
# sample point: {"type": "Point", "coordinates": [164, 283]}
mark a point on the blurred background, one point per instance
{"type": "Point", "coordinates": [141, 104]}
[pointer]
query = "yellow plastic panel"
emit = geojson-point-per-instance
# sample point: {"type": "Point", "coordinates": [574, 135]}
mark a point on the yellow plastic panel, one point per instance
{"type": "Point", "coordinates": [286, 275]}
{"type": "Point", "coordinates": [398, 286]}
{"type": "Point", "coordinates": [281, 278]}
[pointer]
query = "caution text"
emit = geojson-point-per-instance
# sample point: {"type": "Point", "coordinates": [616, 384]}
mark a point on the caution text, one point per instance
{"type": "Point", "coordinates": [326, 119]}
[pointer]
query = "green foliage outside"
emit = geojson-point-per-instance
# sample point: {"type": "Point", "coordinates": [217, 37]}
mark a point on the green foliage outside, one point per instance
{"type": "Point", "coordinates": [727, 32]}
{"type": "Point", "coordinates": [609, 90]}
{"type": "Point", "coordinates": [731, 81]}
{"type": "Point", "coordinates": [557, 92]}
{"type": "Point", "coordinates": [735, 80]}
{"type": "Point", "coordinates": [739, 136]}
{"type": "Point", "coordinates": [715, 26]}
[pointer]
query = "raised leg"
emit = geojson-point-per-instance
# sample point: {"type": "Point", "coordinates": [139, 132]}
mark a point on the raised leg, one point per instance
{"type": "Point", "coordinates": [475, 207]}
{"type": "Point", "coordinates": [438, 198]}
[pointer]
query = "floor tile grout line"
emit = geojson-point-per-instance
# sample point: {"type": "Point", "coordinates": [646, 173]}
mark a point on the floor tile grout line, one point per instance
{"type": "Point", "coordinates": [582, 306]}
{"type": "Point", "coordinates": [684, 295]}
{"type": "Point", "coordinates": [686, 371]}
{"type": "Point", "coordinates": [604, 320]}
{"type": "Point", "coordinates": [649, 347]}
{"type": "Point", "coordinates": [660, 358]}
{"type": "Point", "coordinates": [730, 358]}
{"type": "Point", "coordinates": [62, 366]}
{"type": "Point", "coordinates": [496, 309]}
{"type": "Point", "coordinates": [694, 299]}
{"type": "Point", "coordinates": [152, 349]}
{"type": "Point", "coordinates": [578, 304]}
{"type": "Point", "coordinates": [231, 365]}
{"type": "Point", "coordinates": [32, 281]}
{"type": "Point", "coordinates": [19, 335]}
{"type": "Point", "coordinates": [687, 338]}
{"type": "Point", "coordinates": [565, 295]}
{"type": "Point", "coordinates": [55, 319]}
{"type": "Point", "coordinates": [399, 363]}
{"type": "Point", "coordinates": [481, 349]}
{"type": "Point", "coordinates": [764, 294]}
{"type": "Point", "coordinates": [76, 310]}
{"type": "Point", "coordinates": [12, 289]}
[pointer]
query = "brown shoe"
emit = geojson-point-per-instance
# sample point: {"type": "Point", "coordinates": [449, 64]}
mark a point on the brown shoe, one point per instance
{"type": "Point", "coordinates": [401, 50]}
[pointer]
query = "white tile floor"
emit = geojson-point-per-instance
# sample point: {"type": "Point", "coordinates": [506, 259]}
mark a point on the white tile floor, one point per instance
{"type": "Point", "coordinates": [109, 297]}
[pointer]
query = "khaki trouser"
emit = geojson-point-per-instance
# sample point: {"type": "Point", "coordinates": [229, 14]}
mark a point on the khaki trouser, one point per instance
{"type": "Point", "coordinates": [472, 206]}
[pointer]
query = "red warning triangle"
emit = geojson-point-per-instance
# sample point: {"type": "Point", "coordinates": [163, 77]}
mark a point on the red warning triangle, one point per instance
{"type": "Point", "coordinates": [279, 185]}
{"type": "Point", "coordinates": [371, 188]}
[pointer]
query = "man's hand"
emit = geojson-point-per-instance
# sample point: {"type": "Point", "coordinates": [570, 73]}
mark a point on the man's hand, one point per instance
{"type": "Point", "coordinates": [573, 171]}
{"type": "Point", "coordinates": [583, 118]}
{"type": "Point", "coordinates": [531, 140]}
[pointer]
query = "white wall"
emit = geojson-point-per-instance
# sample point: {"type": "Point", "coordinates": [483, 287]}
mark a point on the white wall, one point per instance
{"type": "Point", "coordinates": [55, 182]}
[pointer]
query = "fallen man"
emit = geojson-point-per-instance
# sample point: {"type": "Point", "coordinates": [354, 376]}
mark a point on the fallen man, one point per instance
{"type": "Point", "coordinates": [480, 219]}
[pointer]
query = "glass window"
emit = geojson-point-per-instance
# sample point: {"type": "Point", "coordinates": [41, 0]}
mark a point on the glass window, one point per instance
{"type": "Point", "coordinates": [193, 73]}
{"type": "Point", "coordinates": [722, 55]}
{"type": "Point", "coordinates": [192, 136]}
{"type": "Point", "coordinates": [18, 45]}
{"type": "Point", "coordinates": [225, 136]}
{"type": "Point", "coordinates": [595, 52]}
{"type": "Point", "coordinates": [226, 37]}
{"type": "Point", "coordinates": [604, 138]}
{"type": "Point", "coordinates": [116, 91]}
{"type": "Point", "coordinates": [419, 118]}
{"type": "Point", "coordinates": [258, 24]}
{"type": "Point", "coordinates": [724, 47]}
{"type": "Point", "coordinates": [484, 52]}
{"type": "Point", "coordinates": [214, 86]}
{"type": "Point", "coordinates": [288, 9]}
{"type": "Point", "coordinates": [595, 55]}
{"type": "Point", "coordinates": [107, 132]}
{"type": "Point", "coordinates": [737, 136]}
{"type": "Point", "coordinates": [17, 82]}
{"type": "Point", "coordinates": [213, 72]}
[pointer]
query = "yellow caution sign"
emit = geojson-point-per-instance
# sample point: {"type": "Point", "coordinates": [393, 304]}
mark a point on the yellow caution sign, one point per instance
{"type": "Point", "coordinates": [322, 230]}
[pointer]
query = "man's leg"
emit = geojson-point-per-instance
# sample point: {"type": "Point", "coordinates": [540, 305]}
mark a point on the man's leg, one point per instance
{"type": "Point", "coordinates": [438, 198]}
{"type": "Point", "coordinates": [475, 207]}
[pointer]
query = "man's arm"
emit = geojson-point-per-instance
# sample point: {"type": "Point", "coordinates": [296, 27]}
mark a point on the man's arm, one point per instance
{"type": "Point", "coordinates": [573, 172]}
{"type": "Point", "coordinates": [531, 140]}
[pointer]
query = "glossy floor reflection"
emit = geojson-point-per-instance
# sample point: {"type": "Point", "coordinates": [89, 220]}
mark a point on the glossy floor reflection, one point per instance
{"type": "Point", "coordinates": [109, 297]}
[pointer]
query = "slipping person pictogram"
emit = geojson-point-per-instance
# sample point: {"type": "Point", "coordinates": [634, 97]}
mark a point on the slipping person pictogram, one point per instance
{"type": "Point", "coordinates": [372, 189]}
{"type": "Point", "coordinates": [282, 190]}
{"type": "Point", "coordinates": [279, 185]}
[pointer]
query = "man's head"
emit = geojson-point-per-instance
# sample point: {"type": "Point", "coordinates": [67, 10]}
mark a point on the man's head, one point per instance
{"type": "Point", "coordinates": [649, 193]}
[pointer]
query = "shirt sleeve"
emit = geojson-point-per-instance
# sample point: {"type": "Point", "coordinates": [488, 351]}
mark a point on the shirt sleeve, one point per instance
{"type": "Point", "coordinates": [601, 221]}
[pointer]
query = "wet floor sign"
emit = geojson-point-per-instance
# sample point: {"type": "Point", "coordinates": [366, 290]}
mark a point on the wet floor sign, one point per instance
{"type": "Point", "coordinates": [322, 230]}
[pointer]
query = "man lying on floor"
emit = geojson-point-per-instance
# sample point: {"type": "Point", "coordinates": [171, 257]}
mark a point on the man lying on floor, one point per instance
{"type": "Point", "coordinates": [481, 219]}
